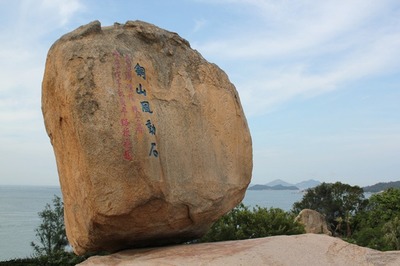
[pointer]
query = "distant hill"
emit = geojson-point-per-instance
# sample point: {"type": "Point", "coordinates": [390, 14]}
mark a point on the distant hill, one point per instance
{"type": "Point", "coordinates": [307, 184]}
{"type": "Point", "coordinates": [277, 182]}
{"type": "Point", "coordinates": [276, 187]}
{"type": "Point", "coordinates": [381, 186]}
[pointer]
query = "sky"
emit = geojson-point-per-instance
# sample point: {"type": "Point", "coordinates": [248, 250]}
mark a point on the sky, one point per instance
{"type": "Point", "coordinates": [319, 81]}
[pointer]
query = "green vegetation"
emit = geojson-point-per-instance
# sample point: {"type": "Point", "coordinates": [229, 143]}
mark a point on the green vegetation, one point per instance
{"type": "Point", "coordinates": [373, 222]}
{"type": "Point", "coordinates": [392, 233]}
{"type": "Point", "coordinates": [378, 226]}
{"type": "Point", "coordinates": [51, 232]}
{"type": "Point", "coordinates": [65, 259]}
{"type": "Point", "coordinates": [338, 202]}
{"type": "Point", "coordinates": [243, 223]}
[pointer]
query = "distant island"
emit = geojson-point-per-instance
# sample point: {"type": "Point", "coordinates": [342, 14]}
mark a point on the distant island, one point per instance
{"type": "Point", "coordinates": [277, 187]}
{"type": "Point", "coordinates": [279, 184]}
{"type": "Point", "coordinates": [381, 186]}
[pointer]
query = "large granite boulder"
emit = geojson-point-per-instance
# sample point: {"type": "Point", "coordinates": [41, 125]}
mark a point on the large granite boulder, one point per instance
{"type": "Point", "coordinates": [313, 221]}
{"type": "Point", "coordinates": [151, 142]}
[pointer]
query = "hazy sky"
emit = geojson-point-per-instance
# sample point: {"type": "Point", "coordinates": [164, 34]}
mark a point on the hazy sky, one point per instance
{"type": "Point", "coordinates": [319, 80]}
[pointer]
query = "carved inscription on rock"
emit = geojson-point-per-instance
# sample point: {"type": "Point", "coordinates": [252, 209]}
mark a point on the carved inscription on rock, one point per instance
{"type": "Point", "coordinates": [135, 105]}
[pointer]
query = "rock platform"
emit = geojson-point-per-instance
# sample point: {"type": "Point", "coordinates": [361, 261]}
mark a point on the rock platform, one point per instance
{"type": "Point", "coordinates": [306, 249]}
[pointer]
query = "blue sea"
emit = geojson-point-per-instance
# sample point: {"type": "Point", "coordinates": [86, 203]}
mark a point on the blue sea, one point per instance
{"type": "Point", "coordinates": [19, 207]}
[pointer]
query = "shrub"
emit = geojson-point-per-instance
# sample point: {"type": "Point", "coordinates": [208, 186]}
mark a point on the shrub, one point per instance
{"type": "Point", "coordinates": [243, 223]}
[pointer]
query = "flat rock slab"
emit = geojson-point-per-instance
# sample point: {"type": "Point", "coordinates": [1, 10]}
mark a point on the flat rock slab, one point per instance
{"type": "Point", "coordinates": [151, 142]}
{"type": "Point", "coordinates": [307, 249]}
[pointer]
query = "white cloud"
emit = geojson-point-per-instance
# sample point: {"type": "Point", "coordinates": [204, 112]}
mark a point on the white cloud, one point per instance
{"type": "Point", "coordinates": [284, 28]}
{"type": "Point", "coordinates": [22, 53]}
{"type": "Point", "coordinates": [199, 24]}
{"type": "Point", "coordinates": [305, 48]}
{"type": "Point", "coordinates": [63, 10]}
{"type": "Point", "coordinates": [23, 48]}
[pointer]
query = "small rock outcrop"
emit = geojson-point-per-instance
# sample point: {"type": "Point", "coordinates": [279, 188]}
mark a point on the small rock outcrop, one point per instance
{"type": "Point", "coordinates": [151, 142]}
{"type": "Point", "coordinates": [299, 250]}
{"type": "Point", "coordinates": [313, 222]}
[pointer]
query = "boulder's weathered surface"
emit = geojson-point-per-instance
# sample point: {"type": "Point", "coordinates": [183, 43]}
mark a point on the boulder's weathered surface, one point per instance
{"type": "Point", "coordinates": [313, 222]}
{"type": "Point", "coordinates": [307, 249]}
{"type": "Point", "coordinates": [151, 142]}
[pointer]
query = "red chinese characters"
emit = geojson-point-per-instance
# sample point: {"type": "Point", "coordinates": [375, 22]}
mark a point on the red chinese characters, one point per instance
{"type": "Point", "coordinates": [126, 135]}
{"type": "Point", "coordinates": [134, 105]}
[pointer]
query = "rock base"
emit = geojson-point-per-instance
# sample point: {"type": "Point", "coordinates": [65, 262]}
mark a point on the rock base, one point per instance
{"type": "Point", "coordinates": [307, 249]}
